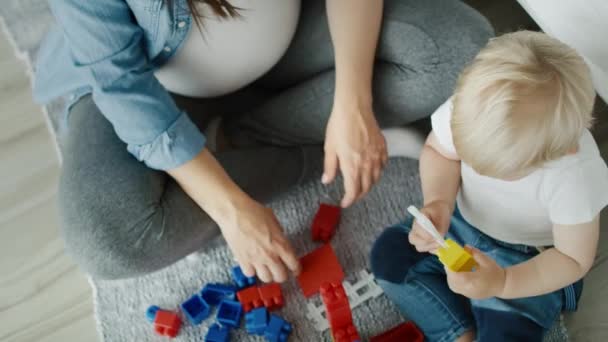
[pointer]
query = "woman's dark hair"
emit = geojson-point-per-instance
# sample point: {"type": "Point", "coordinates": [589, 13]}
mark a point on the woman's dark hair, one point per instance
{"type": "Point", "coordinates": [223, 8]}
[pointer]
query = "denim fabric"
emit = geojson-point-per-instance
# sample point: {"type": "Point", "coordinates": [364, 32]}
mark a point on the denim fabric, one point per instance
{"type": "Point", "coordinates": [417, 283]}
{"type": "Point", "coordinates": [111, 48]}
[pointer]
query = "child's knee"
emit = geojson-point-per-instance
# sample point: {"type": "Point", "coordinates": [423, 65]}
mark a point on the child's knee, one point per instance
{"type": "Point", "coordinates": [392, 255]}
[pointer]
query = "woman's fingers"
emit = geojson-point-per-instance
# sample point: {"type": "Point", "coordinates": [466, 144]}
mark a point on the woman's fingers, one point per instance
{"type": "Point", "coordinates": [378, 172]}
{"type": "Point", "coordinates": [288, 256]}
{"type": "Point", "coordinates": [367, 179]}
{"type": "Point", "coordinates": [278, 270]}
{"type": "Point", "coordinates": [263, 273]}
{"type": "Point", "coordinates": [247, 268]}
{"type": "Point", "coordinates": [330, 166]}
{"type": "Point", "coordinates": [352, 186]}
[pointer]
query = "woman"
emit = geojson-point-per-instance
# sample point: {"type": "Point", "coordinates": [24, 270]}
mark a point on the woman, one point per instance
{"type": "Point", "coordinates": [129, 210]}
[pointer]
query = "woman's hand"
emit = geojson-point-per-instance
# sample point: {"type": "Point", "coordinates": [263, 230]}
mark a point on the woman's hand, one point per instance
{"type": "Point", "coordinates": [487, 280]}
{"type": "Point", "coordinates": [251, 230]}
{"type": "Point", "coordinates": [355, 145]}
{"type": "Point", "coordinates": [258, 244]}
{"type": "Point", "coordinates": [439, 212]}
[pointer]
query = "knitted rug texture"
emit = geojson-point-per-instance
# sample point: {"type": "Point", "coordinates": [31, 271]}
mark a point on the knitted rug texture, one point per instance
{"type": "Point", "coordinates": [120, 305]}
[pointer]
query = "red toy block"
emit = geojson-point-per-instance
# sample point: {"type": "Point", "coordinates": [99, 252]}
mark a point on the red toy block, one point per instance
{"type": "Point", "coordinates": [406, 332]}
{"type": "Point", "coordinates": [325, 222]}
{"type": "Point", "coordinates": [333, 295]}
{"type": "Point", "coordinates": [318, 267]}
{"type": "Point", "coordinates": [250, 298]}
{"type": "Point", "coordinates": [348, 334]}
{"type": "Point", "coordinates": [272, 296]}
{"type": "Point", "coordinates": [336, 304]}
{"type": "Point", "coordinates": [167, 323]}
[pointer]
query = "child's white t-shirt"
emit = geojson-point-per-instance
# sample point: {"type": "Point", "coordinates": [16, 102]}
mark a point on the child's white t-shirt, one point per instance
{"type": "Point", "coordinates": [568, 191]}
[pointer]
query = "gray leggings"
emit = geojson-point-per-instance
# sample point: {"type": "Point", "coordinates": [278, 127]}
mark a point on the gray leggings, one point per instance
{"type": "Point", "coordinates": [122, 219]}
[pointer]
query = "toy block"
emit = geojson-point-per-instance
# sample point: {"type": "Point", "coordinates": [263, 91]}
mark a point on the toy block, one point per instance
{"type": "Point", "coordinates": [333, 296]}
{"type": "Point", "coordinates": [405, 332]}
{"type": "Point", "coordinates": [359, 292]}
{"type": "Point", "coordinates": [229, 313]}
{"type": "Point", "coordinates": [362, 290]}
{"type": "Point", "coordinates": [316, 314]}
{"type": "Point", "coordinates": [278, 330]}
{"type": "Point", "coordinates": [250, 298]}
{"type": "Point", "coordinates": [256, 321]}
{"type": "Point", "coordinates": [456, 258]}
{"type": "Point", "coordinates": [167, 323]}
{"type": "Point", "coordinates": [325, 222]}
{"type": "Point", "coordinates": [339, 318]}
{"type": "Point", "coordinates": [196, 309]}
{"type": "Point", "coordinates": [272, 296]}
{"type": "Point", "coordinates": [348, 334]}
{"type": "Point", "coordinates": [151, 313]}
{"type": "Point", "coordinates": [218, 333]}
{"type": "Point", "coordinates": [242, 281]}
{"type": "Point", "coordinates": [318, 267]}
{"type": "Point", "coordinates": [214, 293]}
{"type": "Point", "coordinates": [337, 307]}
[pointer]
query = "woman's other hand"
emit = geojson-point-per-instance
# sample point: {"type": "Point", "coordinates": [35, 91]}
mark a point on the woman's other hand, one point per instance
{"type": "Point", "coordinates": [354, 145]}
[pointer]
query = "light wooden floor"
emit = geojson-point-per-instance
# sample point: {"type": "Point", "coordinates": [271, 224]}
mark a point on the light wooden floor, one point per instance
{"type": "Point", "coordinates": [43, 296]}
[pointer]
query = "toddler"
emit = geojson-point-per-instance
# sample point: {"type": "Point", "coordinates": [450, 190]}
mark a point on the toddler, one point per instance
{"type": "Point", "coordinates": [511, 170]}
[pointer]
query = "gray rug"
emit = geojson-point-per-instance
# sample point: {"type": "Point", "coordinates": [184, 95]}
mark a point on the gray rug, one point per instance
{"type": "Point", "coordinates": [120, 305]}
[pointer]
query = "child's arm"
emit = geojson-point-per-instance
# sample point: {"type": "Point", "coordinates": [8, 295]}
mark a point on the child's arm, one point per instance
{"type": "Point", "coordinates": [440, 179]}
{"type": "Point", "coordinates": [555, 268]}
{"type": "Point", "coordinates": [439, 173]}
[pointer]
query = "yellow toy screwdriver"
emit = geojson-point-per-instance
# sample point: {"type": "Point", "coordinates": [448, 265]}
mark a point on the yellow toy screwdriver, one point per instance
{"type": "Point", "coordinates": [451, 254]}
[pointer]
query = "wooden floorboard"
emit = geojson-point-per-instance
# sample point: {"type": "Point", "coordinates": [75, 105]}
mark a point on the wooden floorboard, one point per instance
{"type": "Point", "coordinates": [43, 296]}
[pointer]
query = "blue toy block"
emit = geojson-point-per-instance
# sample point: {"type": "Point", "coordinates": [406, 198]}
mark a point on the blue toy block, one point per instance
{"type": "Point", "coordinates": [218, 333]}
{"type": "Point", "coordinates": [278, 329]}
{"type": "Point", "coordinates": [151, 313]}
{"type": "Point", "coordinates": [213, 294]}
{"type": "Point", "coordinates": [229, 313]}
{"type": "Point", "coordinates": [240, 279]}
{"type": "Point", "coordinates": [196, 309]}
{"type": "Point", "coordinates": [256, 321]}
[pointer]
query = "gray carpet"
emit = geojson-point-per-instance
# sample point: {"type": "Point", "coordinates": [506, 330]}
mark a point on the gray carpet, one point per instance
{"type": "Point", "coordinates": [120, 305]}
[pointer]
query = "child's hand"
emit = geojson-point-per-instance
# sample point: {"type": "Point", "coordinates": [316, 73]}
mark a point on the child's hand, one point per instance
{"type": "Point", "coordinates": [487, 280]}
{"type": "Point", "coordinates": [439, 212]}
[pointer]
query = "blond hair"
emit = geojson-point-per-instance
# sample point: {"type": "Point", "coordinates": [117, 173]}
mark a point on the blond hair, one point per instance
{"type": "Point", "coordinates": [524, 100]}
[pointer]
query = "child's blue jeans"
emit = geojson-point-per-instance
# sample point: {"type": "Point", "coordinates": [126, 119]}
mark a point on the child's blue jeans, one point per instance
{"type": "Point", "coordinates": [416, 283]}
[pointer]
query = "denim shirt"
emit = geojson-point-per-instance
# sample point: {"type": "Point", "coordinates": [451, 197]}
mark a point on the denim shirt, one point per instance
{"type": "Point", "coordinates": [110, 49]}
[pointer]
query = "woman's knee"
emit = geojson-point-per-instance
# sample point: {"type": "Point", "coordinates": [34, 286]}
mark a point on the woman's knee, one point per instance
{"type": "Point", "coordinates": [101, 241]}
{"type": "Point", "coordinates": [451, 29]}
{"type": "Point", "coordinates": [423, 48]}
{"type": "Point", "coordinates": [432, 40]}
{"type": "Point", "coordinates": [392, 255]}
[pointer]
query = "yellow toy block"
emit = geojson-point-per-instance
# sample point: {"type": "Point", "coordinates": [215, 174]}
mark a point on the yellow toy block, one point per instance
{"type": "Point", "coordinates": [455, 257]}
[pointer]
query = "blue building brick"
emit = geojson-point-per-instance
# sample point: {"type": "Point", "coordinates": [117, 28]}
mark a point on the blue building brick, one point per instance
{"type": "Point", "coordinates": [213, 294]}
{"type": "Point", "coordinates": [196, 309]}
{"type": "Point", "coordinates": [256, 321]}
{"type": "Point", "coordinates": [229, 313]}
{"type": "Point", "coordinates": [151, 313]}
{"type": "Point", "coordinates": [278, 329]}
{"type": "Point", "coordinates": [240, 279]}
{"type": "Point", "coordinates": [218, 333]}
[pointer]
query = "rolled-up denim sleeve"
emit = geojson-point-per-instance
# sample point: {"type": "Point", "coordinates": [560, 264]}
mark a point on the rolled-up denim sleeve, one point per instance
{"type": "Point", "coordinates": [107, 46]}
